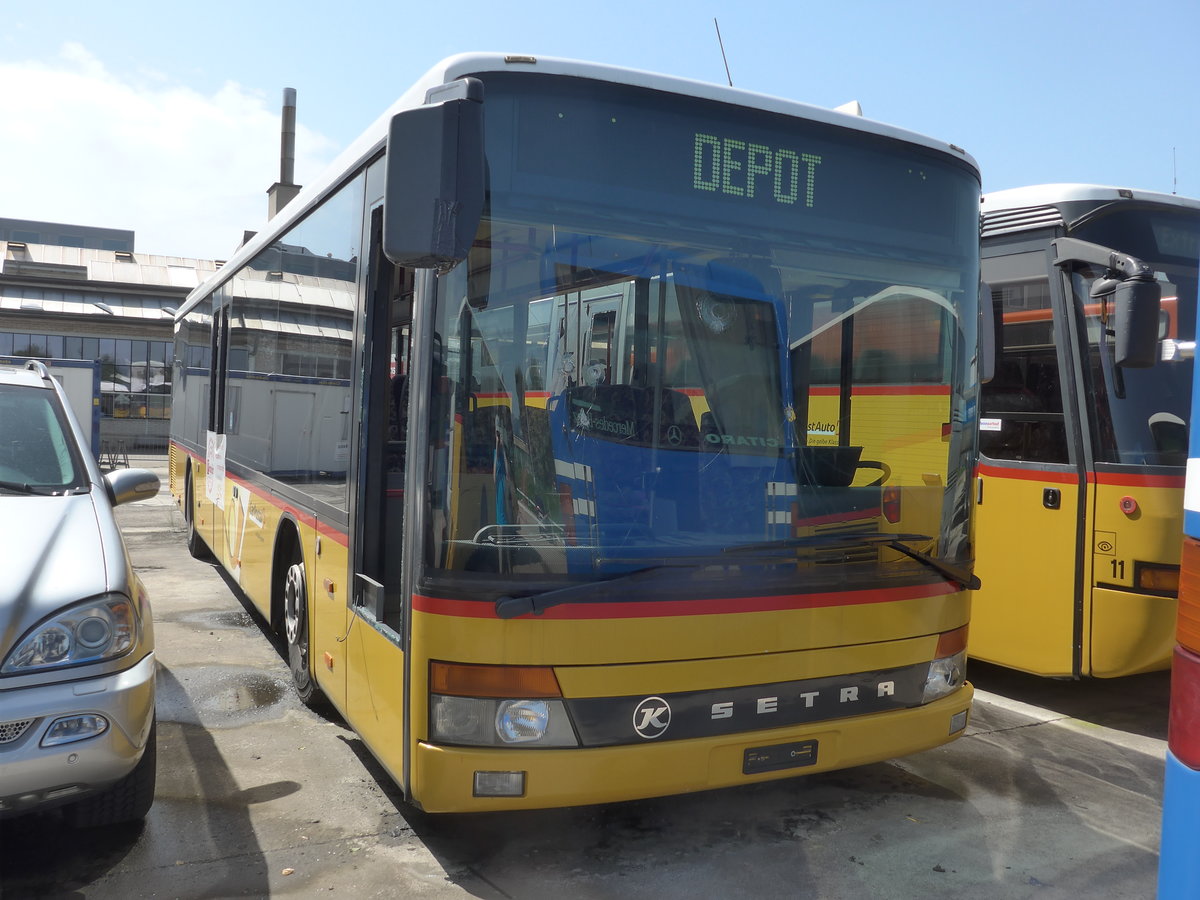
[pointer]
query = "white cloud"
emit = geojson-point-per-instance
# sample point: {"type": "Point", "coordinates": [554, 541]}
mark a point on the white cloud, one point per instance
{"type": "Point", "coordinates": [187, 172]}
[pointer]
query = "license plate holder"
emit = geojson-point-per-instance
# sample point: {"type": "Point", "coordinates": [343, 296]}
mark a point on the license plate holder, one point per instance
{"type": "Point", "coordinates": [793, 755]}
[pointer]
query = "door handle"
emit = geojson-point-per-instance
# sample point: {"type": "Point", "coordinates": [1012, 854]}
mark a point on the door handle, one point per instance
{"type": "Point", "coordinates": [1051, 498]}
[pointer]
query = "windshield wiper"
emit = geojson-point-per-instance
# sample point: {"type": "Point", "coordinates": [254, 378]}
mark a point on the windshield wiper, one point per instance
{"type": "Point", "coordinates": [844, 539]}
{"type": "Point", "coordinates": [510, 607]}
{"type": "Point", "coordinates": [969, 580]}
{"type": "Point", "coordinates": [24, 487]}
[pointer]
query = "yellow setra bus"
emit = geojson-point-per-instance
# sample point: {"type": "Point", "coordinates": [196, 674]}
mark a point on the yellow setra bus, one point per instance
{"type": "Point", "coordinates": [1081, 473]}
{"type": "Point", "coordinates": [534, 428]}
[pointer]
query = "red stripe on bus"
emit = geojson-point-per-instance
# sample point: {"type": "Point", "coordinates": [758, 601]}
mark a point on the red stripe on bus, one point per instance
{"type": "Point", "coordinates": [302, 517]}
{"type": "Point", "coordinates": [1116, 479]}
{"type": "Point", "coordinates": [475, 609]}
{"type": "Point", "coordinates": [1028, 474]}
{"type": "Point", "coordinates": [1120, 479]}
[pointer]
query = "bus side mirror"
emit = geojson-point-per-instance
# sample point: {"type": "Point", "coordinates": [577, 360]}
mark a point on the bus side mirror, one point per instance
{"type": "Point", "coordinates": [1136, 304]}
{"type": "Point", "coordinates": [1135, 298]}
{"type": "Point", "coordinates": [435, 178]}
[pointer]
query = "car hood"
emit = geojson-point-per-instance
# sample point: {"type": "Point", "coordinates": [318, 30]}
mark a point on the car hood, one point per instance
{"type": "Point", "coordinates": [57, 550]}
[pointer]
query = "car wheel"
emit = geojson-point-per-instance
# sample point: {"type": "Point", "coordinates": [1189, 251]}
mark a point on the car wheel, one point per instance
{"type": "Point", "coordinates": [295, 628]}
{"type": "Point", "coordinates": [126, 801]}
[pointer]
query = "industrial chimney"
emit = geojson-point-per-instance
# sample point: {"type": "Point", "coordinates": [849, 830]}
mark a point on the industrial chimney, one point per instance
{"type": "Point", "coordinates": [282, 192]}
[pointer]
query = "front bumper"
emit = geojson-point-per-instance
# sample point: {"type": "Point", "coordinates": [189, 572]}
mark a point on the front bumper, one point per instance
{"type": "Point", "coordinates": [443, 776]}
{"type": "Point", "coordinates": [37, 777]}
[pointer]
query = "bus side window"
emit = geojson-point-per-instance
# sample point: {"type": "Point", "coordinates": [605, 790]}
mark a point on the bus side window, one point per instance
{"type": "Point", "coordinates": [1024, 400]}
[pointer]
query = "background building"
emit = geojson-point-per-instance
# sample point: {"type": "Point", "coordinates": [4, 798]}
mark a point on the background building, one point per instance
{"type": "Point", "coordinates": [83, 293]}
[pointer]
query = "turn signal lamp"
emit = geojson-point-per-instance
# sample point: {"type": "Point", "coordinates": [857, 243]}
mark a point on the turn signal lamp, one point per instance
{"type": "Point", "coordinates": [492, 681]}
{"type": "Point", "coordinates": [1157, 579]}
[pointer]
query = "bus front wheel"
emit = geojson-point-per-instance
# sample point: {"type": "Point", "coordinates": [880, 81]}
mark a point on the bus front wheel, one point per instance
{"type": "Point", "coordinates": [295, 629]}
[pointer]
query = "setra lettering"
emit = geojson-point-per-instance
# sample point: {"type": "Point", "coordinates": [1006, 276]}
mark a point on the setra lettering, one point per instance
{"type": "Point", "coordinates": [808, 699]}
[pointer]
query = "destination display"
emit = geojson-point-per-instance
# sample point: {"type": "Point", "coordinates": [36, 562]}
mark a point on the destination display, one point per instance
{"type": "Point", "coordinates": [564, 143]}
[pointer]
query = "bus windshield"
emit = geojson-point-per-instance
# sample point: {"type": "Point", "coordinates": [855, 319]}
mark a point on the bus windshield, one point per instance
{"type": "Point", "coordinates": [1142, 414]}
{"type": "Point", "coordinates": [673, 345]}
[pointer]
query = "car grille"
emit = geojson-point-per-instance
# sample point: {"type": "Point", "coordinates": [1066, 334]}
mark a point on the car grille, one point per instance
{"type": "Point", "coordinates": [10, 731]}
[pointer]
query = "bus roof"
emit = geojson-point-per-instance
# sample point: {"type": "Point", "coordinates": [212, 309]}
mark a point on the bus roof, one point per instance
{"type": "Point", "coordinates": [1054, 194]}
{"type": "Point", "coordinates": [453, 68]}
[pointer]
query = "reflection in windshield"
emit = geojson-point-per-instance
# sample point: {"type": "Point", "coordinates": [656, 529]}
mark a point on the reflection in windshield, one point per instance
{"type": "Point", "coordinates": [614, 405]}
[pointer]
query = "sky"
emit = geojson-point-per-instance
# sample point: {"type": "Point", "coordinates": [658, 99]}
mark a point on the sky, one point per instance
{"type": "Point", "coordinates": [163, 118]}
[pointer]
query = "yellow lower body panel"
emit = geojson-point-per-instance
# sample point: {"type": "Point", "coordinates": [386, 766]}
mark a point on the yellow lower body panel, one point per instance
{"type": "Point", "coordinates": [443, 777]}
{"type": "Point", "coordinates": [1131, 633]}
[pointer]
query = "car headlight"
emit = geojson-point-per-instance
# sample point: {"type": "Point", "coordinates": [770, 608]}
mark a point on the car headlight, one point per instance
{"type": "Point", "coordinates": [100, 628]}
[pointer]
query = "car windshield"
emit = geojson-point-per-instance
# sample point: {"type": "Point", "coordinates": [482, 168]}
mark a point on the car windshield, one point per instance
{"type": "Point", "coordinates": [35, 443]}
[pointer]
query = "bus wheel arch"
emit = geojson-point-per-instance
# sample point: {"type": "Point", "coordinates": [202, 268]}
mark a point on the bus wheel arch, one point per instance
{"type": "Point", "coordinates": [196, 544]}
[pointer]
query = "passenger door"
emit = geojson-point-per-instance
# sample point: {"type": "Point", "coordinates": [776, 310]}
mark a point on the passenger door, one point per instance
{"type": "Point", "coordinates": [375, 645]}
{"type": "Point", "coordinates": [1031, 497]}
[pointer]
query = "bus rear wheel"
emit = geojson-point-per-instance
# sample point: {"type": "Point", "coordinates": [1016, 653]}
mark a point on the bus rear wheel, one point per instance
{"type": "Point", "coordinates": [195, 543]}
{"type": "Point", "coordinates": [295, 629]}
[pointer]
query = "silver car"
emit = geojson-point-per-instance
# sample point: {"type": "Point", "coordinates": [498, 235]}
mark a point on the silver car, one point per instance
{"type": "Point", "coordinates": [77, 723]}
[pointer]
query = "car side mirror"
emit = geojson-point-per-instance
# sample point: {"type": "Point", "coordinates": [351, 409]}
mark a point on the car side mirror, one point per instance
{"type": "Point", "coordinates": [130, 485]}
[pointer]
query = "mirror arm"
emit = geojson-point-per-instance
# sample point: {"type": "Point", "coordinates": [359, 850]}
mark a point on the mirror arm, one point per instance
{"type": "Point", "coordinates": [1073, 250]}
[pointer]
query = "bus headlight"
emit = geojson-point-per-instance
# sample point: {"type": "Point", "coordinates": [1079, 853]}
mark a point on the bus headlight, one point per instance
{"type": "Point", "coordinates": [497, 706]}
{"type": "Point", "coordinates": [522, 721]}
{"type": "Point", "coordinates": [488, 722]}
{"type": "Point", "coordinates": [946, 675]}
{"type": "Point", "coordinates": [947, 671]}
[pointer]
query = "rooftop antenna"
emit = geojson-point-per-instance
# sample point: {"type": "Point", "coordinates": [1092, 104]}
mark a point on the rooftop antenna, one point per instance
{"type": "Point", "coordinates": [724, 59]}
{"type": "Point", "coordinates": [1174, 173]}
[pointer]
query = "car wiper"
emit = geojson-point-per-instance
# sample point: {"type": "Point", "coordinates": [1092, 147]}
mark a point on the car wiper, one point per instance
{"type": "Point", "coordinates": [969, 580]}
{"type": "Point", "coordinates": [24, 487]}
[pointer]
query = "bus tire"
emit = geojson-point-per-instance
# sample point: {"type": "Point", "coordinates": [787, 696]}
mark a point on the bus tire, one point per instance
{"type": "Point", "coordinates": [295, 628]}
{"type": "Point", "coordinates": [195, 543]}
